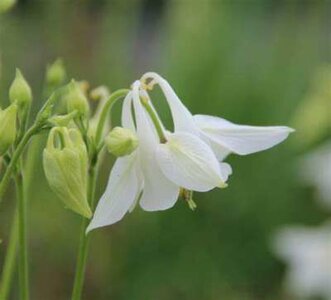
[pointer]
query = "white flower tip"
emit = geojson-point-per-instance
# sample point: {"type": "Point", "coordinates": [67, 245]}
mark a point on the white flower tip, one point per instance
{"type": "Point", "coordinates": [89, 229]}
{"type": "Point", "coordinates": [285, 129]}
{"type": "Point", "coordinates": [94, 225]}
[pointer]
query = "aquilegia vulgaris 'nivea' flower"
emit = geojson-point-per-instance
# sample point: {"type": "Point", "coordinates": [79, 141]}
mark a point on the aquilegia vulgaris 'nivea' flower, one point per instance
{"type": "Point", "coordinates": [164, 162]}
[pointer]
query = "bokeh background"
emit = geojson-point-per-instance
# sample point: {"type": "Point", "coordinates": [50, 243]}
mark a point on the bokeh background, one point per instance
{"type": "Point", "coordinates": [248, 61]}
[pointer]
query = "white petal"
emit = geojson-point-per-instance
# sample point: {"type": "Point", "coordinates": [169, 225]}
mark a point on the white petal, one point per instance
{"type": "Point", "coordinates": [123, 187]}
{"type": "Point", "coordinates": [226, 171]}
{"type": "Point", "coordinates": [159, 193]}
{"type": "Point", "coordinates": [241, 139]}
{"type": "Point", "coordinates": [127, 119]}
{"type": "Point", "coordinates": [189, 162]}
{"type": "Point", "coordinates": [145, 131]}
{"type": "Point", "coordinates": [183, 119]}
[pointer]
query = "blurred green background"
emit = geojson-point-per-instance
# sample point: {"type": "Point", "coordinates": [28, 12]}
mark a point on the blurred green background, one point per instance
{"type": "Point", "coordinates": [248, 61]}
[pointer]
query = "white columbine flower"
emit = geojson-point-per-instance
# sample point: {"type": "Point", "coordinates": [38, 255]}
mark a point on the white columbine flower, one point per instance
{"type": "Point", "coordinates": [189, 158]}
{"type": "Point", "coordinates": [307, 251]}
{"type": "Point", "coordinates": [154, 173]}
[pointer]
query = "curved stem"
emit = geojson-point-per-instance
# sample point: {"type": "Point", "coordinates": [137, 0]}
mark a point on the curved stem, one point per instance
{"type": "Point", "coordinates": [84, 241]}
{"type": "Point", "coordinates": [104, 113]}
{"type": "Point", "coordinates": [18, 151]}
{"type": "Point", "coordinates": [23, 252]}
{"type": "Point", "coordinates": [155, 120]}
{"type": "Point", "coordinates": [10, 259]}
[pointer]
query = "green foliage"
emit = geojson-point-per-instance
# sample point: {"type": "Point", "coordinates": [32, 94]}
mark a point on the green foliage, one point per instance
{"type": "Point", "coordinates": [6, 5]}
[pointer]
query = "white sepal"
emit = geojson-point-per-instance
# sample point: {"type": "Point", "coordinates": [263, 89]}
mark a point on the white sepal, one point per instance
{"type": "Point", "coordinates": [127, 119]}
{"type": "Point", "coordinates": [240, 139]}
{"type": "Point", "coordinates": [123, 187]}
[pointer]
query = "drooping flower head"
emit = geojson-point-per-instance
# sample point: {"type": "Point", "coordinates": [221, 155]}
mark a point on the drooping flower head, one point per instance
{"type": "Point", "coordinates": [190, 157]}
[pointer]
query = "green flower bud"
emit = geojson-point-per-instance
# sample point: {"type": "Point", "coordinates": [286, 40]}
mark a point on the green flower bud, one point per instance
{"type": "Point", "coordinates": [7, 127]}
{"type": "Point", "coordinates": [56, 73]}
{"type": "Point", "coordinates": [65, 163]}
{"type": "Point", "coordinates": [5, 5]}
{"type": "Point", "coordinates": [100, 95]}
{"type": "Point", "coordinates": [62, 120]}
{"type": "Point", "coordinates": [76, 100]}
{"type": "Point", "coordinates": [20, 91]}
{"type": "Point", "coordinates": [121, 141]}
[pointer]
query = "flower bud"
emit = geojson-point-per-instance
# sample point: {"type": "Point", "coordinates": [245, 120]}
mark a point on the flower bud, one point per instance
{"type": "Point", "coordinates": [65, 163]}
{"type": "Point", "coordinates": [20, 91]}
{"type": "Point", "coordinates": [121, 141]}
{"type": "Point", "coordinates": [76, 100]}
{"type": "Point", "coordinates": [99, 95]}
{"type": "Point", "coordinates": [7, 127]}
{"type": "Point", "coordinates": [62, 120]}
{"type": "Point", "coordinates": [6, 5]}
{"type": "Point", "coordinates": [56, 73]}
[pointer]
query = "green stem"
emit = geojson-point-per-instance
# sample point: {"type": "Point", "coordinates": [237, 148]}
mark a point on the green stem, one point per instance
{"type": "Point", "coordinates": [18, 151]}
{"type": "Point", "coordinates": [84, 241]}
{"type": "Point", "coordinates": [10, 260]}
{"type": "Point", "coordinates": [155, 120]}
{"type": "Point", "coordinates": [104, 113]}
{"type": "Point", "coordinates": [18, 226]}
{"type": "Point", "coordinates": [23, 252]}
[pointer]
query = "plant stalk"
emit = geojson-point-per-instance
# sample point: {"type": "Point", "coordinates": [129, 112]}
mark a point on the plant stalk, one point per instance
{"type": "Point", "coordinates": [18, 151]}
{"type": "Point", "coordinates": [10, 259]}
{"type": "Point", "coordinates": [84, 240]}
{"type": "Point", "coordinates": [22, 237]}
{"type": "Point", "coordinates": [104, 113]}
{"type": "Point", "coordinates": [155, 120]}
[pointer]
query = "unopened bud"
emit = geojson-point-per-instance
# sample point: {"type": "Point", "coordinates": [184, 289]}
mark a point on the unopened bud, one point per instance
{"type": "Point", "coordinates": [56, 73]}
{"type": "Point", "coordinates": [76, 100]}
{"type": "Point", "coordinates": [121, 141]}
{"type": "Point", "coordinates": [100, 93]}
{"type": "Point", "coordinates": [62, 120]}
{"type": "Point", "coordinates": [5, 5]}
{"type": "Point", "coordinates": [65, 163]}
{"type": "Point", "coordinates": [20, 91]}
{"type": "Point", "coordinates": [7, 127]}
